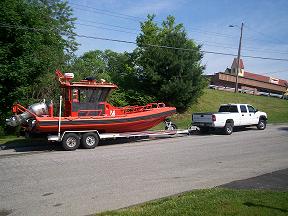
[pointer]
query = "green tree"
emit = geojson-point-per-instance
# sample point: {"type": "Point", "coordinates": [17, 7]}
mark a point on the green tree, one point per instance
{"type": "Point", "coordinates": [36, 37]}
{"type": "Point", "coordinates": [112, 67]}
{"type": "Point", "coordinates": [174, 76]}
{"type": "Point", "coordinates": [92, 63]}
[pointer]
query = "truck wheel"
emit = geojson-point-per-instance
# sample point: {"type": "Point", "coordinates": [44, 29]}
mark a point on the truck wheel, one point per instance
{"type": "Point", "coordinates": [261, 124]}
{"type": "Point", "coordinates": [90, 140]}
{"type": "Point", "coordinates": [228, 129]}
{"type": "Point", "coordinates": [70, 142]}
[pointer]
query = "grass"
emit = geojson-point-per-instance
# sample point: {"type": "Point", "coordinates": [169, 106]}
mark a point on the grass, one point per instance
{"type": "Point", "coordinates": [8, 142]}
{"type": "Point", "coordinates": [10, 138]}
{"type": "Point", "coordinates": [212, 202]}
{"type": "Point", "coordinates": [276, 109]}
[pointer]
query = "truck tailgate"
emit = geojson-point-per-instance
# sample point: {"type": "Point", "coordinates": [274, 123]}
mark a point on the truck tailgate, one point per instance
{"type": "Point", "coordinates": [202, 117]}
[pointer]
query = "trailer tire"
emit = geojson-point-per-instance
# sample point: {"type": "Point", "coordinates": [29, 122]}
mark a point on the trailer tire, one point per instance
{"type": "Point", "coordinates": [70, 142]}
{"type": "Point", "coordinates": [171, 127]}
{"type": "Point", "coordinates": [90, 140]}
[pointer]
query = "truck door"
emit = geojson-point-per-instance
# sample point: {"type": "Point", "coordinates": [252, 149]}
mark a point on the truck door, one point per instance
{"type": "Point", "coordinates": [244, 115]}
{"type": "Point", "coordinates": [252, 114]}
{"type": "Point", "coordinates": [235, 114]}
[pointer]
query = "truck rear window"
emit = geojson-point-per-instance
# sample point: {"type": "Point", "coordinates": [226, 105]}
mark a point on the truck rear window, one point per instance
{"type": "Point", "coordinates": [228, 108]}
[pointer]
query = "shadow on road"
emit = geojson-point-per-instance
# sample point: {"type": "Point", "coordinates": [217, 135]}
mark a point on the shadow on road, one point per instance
{"type": "Point", "coordinates": [29, 145]}
{"type": "Point", "coordinates": [220, 131]}
{"type": "Point", "coordinates": [41, 145]}
{"type": "Point", "coordinates": [283, 128]}
{"type": "Point", "coordinates": [277, 180]}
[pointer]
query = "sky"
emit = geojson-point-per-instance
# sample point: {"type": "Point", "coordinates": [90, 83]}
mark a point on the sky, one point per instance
{"type": "Point", "coordinates": [265, 31]}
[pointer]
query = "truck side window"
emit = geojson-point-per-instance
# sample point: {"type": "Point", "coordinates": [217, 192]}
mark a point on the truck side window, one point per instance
{"type": "Point", "coordinates": [243, 109]}
{"type": "Point", "coordinates": [228, 108]}
{"type": "Point", "coordinates": [233, 109]}
{"type": "Point", "coordinates": [251, 109]}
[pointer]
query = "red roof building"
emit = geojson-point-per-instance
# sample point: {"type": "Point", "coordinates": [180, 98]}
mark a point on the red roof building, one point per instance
{"type": "Point", "coordinates": [249, 81]}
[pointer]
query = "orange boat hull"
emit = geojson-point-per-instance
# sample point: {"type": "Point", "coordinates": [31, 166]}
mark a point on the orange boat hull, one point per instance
{"type": "Point", "coordinates": [131, 122]}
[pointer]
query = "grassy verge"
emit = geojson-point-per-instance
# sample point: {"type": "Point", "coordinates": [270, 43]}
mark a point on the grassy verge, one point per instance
{"type": "Point", "coordinates": [276, 109]}
{"type": "Point", "coordinates": [6, 139]}
{"type": "Point", "coordinates": [213, 202]}
{"type": "Point", "coordinates": [10, 142]}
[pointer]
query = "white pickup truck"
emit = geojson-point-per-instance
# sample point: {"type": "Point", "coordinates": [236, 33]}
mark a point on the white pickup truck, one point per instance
{"type": "Point", "coordinates": [229, 116]}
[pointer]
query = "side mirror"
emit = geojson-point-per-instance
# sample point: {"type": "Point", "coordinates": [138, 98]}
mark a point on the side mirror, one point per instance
{"type": "Point", "coordinates": [256, 110]}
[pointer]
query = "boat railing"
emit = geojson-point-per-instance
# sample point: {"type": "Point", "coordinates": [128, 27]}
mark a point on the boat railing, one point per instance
{"type": "Point", "coordinates": [135, 109]}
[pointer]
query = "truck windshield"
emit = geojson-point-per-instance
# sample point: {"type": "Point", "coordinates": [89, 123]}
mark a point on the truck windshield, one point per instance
{"type": "Point", "coordinates": [228, 108]}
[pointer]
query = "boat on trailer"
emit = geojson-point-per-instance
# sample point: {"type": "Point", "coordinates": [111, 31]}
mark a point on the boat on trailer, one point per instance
{"type": "Point", "coordinates": [86, 109]}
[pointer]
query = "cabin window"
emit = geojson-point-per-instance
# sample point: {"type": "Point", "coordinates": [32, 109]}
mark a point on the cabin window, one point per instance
{"type": "Point", "coordinates": [89, 95]}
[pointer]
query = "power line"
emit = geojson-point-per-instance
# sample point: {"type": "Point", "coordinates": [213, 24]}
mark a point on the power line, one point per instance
{"type": "Point", "coordinates": [151, 45]}
{"type": "Point", "coordinates": [137, 18]}
{"type": "Point", "coordinates": [265, 35]}
{"type": "Point", "coordinates": [279, 71]}
{"type": "Point", "coordinates": [207, 43]}
{"type": "Point", "coordinates": [184, 49]}
{"type": "Point", "coordinates": [106, 24]}
{"type": "Point", "coordinates": [110, 29]}
{"type": "Point", "coordinates": [107, 14]}
{"type": "Point", "coordinates": [108, 11]}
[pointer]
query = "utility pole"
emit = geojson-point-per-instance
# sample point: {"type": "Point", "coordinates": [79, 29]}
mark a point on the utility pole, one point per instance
{"type": "Point", "coordinates": [238, 60]}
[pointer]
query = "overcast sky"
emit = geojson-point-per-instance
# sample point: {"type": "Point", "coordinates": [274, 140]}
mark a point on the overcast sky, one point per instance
{"type": "Point", "coordinates": [265, 32]}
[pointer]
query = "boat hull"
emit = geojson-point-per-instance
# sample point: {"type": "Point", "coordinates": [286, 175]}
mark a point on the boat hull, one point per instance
{"type": "Point", "coordinates": [127, 123]}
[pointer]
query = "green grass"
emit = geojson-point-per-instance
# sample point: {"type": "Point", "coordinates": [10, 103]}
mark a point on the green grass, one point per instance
{"type": "Point", "coordinates": [10, 138]}
{"type": "Point", "coordinates": [276, 109]}
{"type": "Point", "coordinates": [8, 142]}
{"type": "Point", "coordinates": [213, 202]}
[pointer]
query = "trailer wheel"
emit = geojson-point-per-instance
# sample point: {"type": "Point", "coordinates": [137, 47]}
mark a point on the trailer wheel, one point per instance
{"type": "Point", "coordinates": [90, 140]}
{"type": "Point", "coordinates": [70, 142]}
{"type": "Point", "coordinates": [172, 126]}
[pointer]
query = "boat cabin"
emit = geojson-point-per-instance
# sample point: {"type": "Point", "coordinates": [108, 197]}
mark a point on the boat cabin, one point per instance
{"type": "Point", "coordinates": [84, 98]}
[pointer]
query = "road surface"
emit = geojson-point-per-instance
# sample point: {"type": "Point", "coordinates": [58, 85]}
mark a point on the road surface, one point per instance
{"type": "Point", "coordinates": [114, 176]}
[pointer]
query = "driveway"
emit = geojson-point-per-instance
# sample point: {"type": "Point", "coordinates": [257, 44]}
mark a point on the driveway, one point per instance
{"type": "Point", "coordinates": [45, 181]}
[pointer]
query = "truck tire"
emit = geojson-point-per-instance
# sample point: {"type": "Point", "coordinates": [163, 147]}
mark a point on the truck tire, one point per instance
{"type": "Point", "coordinates": [90, 140]}
{"type": "Point", "coordinates": [228, 129]}
{"type": "Point", "coordinates": [70, 142]}
{"type": "Point", "coordinates": [261, 124]}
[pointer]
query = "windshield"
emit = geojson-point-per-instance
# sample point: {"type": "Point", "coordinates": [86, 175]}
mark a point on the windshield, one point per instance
{"type": "Point", "coordinates": [93, 95]}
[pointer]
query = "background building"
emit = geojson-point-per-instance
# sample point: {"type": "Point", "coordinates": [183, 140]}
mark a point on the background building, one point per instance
{"type": "Point", "coordinates": [249, 82]}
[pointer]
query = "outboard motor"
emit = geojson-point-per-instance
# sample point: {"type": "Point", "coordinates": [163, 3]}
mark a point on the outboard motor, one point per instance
{"type": "Point", "coordinates": [38, 109]}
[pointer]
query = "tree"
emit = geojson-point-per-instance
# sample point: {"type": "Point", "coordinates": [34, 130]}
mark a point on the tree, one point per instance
{"type": "Point", "coordinates": [112, 67]}
{"type": "Point", "coordinates": [36, 37]}
{"type": "Point", "coordinates": [169, 63]}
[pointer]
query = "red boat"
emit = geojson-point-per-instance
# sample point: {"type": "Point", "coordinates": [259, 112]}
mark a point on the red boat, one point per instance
{"type": "Point", "coordinates": [85, 108]}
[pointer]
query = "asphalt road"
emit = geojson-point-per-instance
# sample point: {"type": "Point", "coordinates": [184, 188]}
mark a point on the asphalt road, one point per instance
{"type": "Point", "coordinates": [114, 176]}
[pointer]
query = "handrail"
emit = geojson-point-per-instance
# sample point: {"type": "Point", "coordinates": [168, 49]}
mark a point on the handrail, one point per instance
{"type": "Point", "coordinates": [136, 108]}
